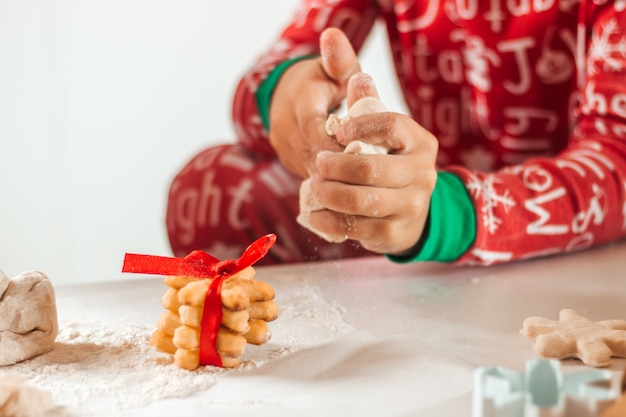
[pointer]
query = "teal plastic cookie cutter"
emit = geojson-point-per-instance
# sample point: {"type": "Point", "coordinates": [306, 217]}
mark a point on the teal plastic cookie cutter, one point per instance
{"type": "Point", "coordinates": [541, 391]}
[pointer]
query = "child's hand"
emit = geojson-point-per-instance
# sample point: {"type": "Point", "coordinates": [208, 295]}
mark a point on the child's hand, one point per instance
{"type": "Point", "coordinates": [302, 100]}
{"type": "Point", "coordinates": [382, 201]}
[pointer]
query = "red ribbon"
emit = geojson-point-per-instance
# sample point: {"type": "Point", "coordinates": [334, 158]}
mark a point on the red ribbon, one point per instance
{"type": "Point", "coordinates": [199, 264]}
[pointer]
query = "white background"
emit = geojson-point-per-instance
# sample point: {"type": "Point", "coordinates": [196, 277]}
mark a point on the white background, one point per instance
{"type": "Point", "coordinates": [101, 102]}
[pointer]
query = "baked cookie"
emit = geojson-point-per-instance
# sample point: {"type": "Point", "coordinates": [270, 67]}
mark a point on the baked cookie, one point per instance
{"type": "Point", "coordinates": [212, 308]}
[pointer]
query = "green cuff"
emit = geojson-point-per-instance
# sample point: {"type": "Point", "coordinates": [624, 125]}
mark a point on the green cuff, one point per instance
{"type": "Point", "coordinates": [451, 226]}
{"type": "Point", "coordinates": [264, 93]}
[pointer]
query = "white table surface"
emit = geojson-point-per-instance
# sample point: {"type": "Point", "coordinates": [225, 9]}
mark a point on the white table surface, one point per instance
{"type": "Point", "coordinates": [366, 337]}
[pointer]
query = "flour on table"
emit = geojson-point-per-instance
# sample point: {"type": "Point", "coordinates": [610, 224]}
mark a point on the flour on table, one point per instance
{"type": "Point", "coordinates": [106, 367]}
{"type": "Point", "coordinates": [92, 365]}
{"type": "Point", "coordinates": [308, 204]}
{"type": "Point", "coordinates": [310, 319]}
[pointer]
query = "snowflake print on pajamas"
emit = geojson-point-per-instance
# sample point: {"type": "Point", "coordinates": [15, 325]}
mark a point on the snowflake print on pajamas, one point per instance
{"type": "Point", "coordinates": [606, 49]}
{"type": "Point", "coordinates": [491, 199]}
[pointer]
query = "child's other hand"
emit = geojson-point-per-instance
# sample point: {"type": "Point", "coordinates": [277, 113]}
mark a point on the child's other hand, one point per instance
{"type": "Point", "coordinates": [382, 201]}
{"type": "Point", "coordinates": [302, 100]}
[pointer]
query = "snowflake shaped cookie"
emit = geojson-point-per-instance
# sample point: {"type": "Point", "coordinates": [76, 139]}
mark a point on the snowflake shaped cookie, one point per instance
{"type": "Point", "coordinates": [574, 336]}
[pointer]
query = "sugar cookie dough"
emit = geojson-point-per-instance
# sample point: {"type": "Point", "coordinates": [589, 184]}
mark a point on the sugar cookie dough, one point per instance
{"type": "Point", "coordinates": [308, 204]}
{"type": "Point", "coordinates": [28, 317]}
{"type": "Point", "coordinates": [20, 400]}
{"type": "Point", "coordinates": [574, 336]}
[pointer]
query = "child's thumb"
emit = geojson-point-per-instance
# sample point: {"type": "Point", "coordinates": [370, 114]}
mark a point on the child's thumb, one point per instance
{"type": "Point", "coordinates": [338, 57]}
{"type": "Point", "coordinates": [360, 85]}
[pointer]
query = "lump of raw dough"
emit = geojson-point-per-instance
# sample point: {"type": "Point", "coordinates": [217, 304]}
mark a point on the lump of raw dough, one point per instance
{"type": "Point", "coordinates": [20, 400]}
{"type": "Point", "coordinates": [28, 317]}
{"type": "Point", "coordinates": [308, 204]}
{"type": "Point", "coordinates": [363, 106]}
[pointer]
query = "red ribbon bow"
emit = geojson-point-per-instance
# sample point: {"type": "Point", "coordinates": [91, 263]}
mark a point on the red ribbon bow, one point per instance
{"type": "Point", "coordinates": [199, 264]}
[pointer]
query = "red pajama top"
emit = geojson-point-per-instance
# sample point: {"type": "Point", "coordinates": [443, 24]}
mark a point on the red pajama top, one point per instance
{"type": "Point", "coordinates": [527, 99]}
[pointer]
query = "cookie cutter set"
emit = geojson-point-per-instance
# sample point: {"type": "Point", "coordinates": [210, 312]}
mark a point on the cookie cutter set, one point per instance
{"type": "Point", "coordinates": [543, 390]}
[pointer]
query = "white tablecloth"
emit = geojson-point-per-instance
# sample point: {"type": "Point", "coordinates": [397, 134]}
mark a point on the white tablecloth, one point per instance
{"type": "Point", "coordinates": [361, 337]}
